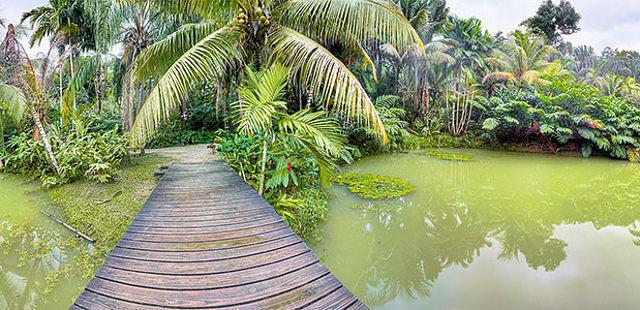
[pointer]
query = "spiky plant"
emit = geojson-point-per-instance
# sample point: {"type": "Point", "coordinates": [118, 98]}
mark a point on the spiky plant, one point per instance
{"type": "Point", "coordinates": [294, 33]}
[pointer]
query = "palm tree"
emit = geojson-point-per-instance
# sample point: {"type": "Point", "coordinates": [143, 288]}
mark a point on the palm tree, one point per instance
{"type": "Point", "coordinates": [262, 110]}
{"type": "Point", "coordinates": [290, 32]}
{"type": "Point", "coordinates": [523, 59]}
{"type": "Point", "coordinates": [24, 88]}
{"type": "Point", "coordinates": [428, 17]}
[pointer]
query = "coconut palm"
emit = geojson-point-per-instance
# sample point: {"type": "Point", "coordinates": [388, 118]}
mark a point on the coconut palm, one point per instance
{"type": "Point", "coordinates": [523, 59]}
{"type": "Point", "coordinates": [23, 88]}
{"type": "Point", "coordinates": [293, 33]}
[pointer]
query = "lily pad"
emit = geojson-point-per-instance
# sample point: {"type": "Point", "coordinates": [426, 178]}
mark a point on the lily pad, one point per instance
{"type": "Point", "coordinates": [374, 186]}
{"type": "Point", "coordinates": [449, 156]}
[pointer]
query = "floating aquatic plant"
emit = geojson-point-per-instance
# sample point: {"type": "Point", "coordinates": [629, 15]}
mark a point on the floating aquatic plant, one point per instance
{"type": "Point", "coordinates": [449, 156]}
{"type": "Point", "coordinates": [374, 186]}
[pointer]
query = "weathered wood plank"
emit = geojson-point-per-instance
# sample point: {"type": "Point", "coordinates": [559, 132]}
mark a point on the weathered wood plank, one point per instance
{"type": "Point", "coordinates": [207, 267]}
{"type": "Point", "coordinates": [207, 255]}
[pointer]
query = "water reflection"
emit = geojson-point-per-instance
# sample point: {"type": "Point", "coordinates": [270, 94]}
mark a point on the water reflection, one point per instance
{"type": "Point", "coordinates": [505, 203]}
{"type": "Point", "coordinates": [40, 268]}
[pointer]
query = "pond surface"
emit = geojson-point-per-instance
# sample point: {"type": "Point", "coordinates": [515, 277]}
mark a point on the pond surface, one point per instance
{"type": "Point", "coordinates": [504, 231]}
{"type": "Point", "coordinates": [41, 263]}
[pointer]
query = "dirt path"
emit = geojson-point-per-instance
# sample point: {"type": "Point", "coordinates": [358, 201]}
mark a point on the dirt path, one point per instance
{"type": "Point", "coordinates": [186, 154]}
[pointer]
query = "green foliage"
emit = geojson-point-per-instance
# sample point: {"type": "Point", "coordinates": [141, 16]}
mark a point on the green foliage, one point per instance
{"type": "Point", "coordinates": [80, 153]}
{"type": "Point", "coordinates": [394, 122]}
{"type": "Point", "coordinates": [448, 155]}
{"type": "Point", "coordinates": [442, 140]}
{"type": "Point", "coordinates": [563, 113]}
{"type": "Point", "coordinates": [104, 211]}
{"type": "Point", "coordinates": [374, 186]}
{"type": "Point", "coordinates": [180, 137]}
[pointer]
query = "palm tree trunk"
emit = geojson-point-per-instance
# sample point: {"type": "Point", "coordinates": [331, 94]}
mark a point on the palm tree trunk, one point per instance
{"type": "Point", "coordinates": [45, 141]}
{"type": "Point", "coordinates": [263, 167]}
{"type": "Point", "coordinates": [99, 82]}
{"type": "Point", "coordinates": [218, 101]}
{"type": "Point", "coordinates": [2, 147]}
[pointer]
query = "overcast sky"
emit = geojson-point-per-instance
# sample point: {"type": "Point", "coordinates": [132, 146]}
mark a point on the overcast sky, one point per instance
{"type": "Point", "coordinates": [604, 23]}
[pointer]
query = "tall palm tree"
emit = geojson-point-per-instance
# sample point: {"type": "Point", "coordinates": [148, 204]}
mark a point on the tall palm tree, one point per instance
{"type": "Point", "coordinates": [24, 88]}
{"type": "Point", "coordinates": [292, 32]}
{"type": "Point", "coordinates": [262, 109]}
{"type": "Point", "coordinates": [522, 59]}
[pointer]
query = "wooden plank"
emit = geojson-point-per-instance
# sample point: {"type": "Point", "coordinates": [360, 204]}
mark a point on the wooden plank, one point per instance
{"type": "Point", "coordinates": [338, 299]}
{"type": "Point", "coordinates": [92, 301]}
{"type": "Point", "coordinates": [283, 291]}
{"type": "Point", "coordinates": [190, 246]}
{"type": "Point", "coordinates": [202, 218]}
{"type": "Point", "coordinates": [207, 255]}
{"type": "Point", "coordinates": [209, 281]}
{"type": "Point", "coordinates": [198, 224]}
{"type": "Point", "coordinates": [207, 229]}
{"type": "Point", "coordinates": [204, 237]}
{"type": "Point", "coordinates": [207, 267]}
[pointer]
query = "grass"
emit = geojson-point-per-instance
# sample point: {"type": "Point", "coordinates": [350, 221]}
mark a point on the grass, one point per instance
{"type": "Point", "coordinates": [104, 211]}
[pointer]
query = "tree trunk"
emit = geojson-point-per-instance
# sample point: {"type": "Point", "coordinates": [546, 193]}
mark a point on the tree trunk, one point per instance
{"type": "Point", "coordinates": [264, 166]}
{"type": "Point", "coordinates": [99, 83]}
{"type": "Point", "coordinates": [45, 141]}
{"type": "Point", "coordinates": [218, 101]}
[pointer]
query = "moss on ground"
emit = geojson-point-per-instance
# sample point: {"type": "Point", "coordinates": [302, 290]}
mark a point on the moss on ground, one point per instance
{"type": "Point", "coordinates": [449, 156]}
{"type": "Point", "coordinates": [374, 186]}
{"type": "Point", "coordinates": [104, 211]}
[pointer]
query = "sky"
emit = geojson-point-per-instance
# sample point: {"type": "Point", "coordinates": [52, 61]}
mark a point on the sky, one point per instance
{"type": "Point", "coordinates": [604, 23]}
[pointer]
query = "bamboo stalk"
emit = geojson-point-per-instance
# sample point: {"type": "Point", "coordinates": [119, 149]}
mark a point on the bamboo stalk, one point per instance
{"type": "Point", "coordinates": [67, 226]}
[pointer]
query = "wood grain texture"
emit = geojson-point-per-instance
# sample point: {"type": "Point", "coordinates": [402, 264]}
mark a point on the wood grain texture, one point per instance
{"type": "Point", "coordinates": [204, 240]}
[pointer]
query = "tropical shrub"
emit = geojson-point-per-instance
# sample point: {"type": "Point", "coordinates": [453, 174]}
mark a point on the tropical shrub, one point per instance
{"type": "Point", "coordinates": [563, 114]}
{"type": "Point", "coordinates": [282, 154]}
{"type": "Point", "coordinates": [80, 153]}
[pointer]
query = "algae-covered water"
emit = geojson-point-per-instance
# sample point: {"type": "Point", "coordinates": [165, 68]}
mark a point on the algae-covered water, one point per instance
{"type": "Point", "coordinates": [41, 263]}
{"type": "Point", "coordinates": [504, 231]}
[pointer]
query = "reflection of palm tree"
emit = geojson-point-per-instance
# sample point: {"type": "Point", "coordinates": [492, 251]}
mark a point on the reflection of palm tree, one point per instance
{"type": "Point", "coordinates": [26, 279]}
{"type": "Point", "coordinates": [522, 231]}
{"type": "Point", "coordinates": [458, 238]}
{"type": "Point", "coordinates": [10, 290]}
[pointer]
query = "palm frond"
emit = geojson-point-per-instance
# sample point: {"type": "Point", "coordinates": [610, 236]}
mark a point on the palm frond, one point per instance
{"type": "Point", "coordinates": [261, 97]}
{"type": "Point", "coordinates": [13, 101]}
{"type": "Point", "coordinates": [324, 131]}
{"type": "Point", "coordinates": [203, 8]}
{"type": "Point", "coordinates": [313, 65]}
{"type": "Point", "coordinates": [155, 60]}
{"type": "Point", "coordinates": [213, 58]}
{"type": "Point", "coordinates": [330, 21]}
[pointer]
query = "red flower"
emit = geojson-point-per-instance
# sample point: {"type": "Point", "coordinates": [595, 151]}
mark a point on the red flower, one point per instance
{"type": "Point", "coordinates": [289, 167]}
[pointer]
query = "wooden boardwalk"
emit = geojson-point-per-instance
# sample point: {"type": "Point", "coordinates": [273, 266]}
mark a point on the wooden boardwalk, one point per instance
{"type": "Point", "coordinates": [205, 239]}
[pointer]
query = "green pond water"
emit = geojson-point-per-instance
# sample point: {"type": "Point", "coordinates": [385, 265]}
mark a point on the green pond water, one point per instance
{"type": "Point", "coordinates": [41, 263]}
{"type": "Point", "coordinates": [504, 231]}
